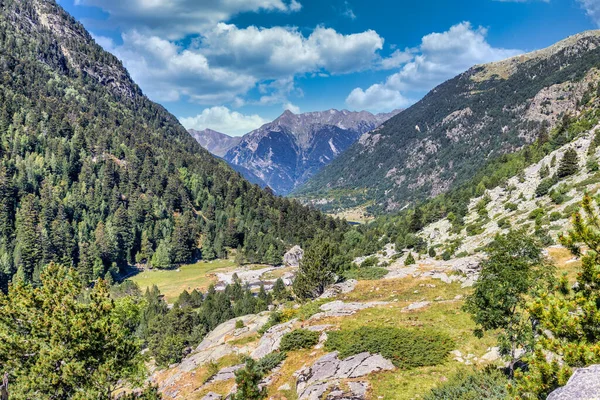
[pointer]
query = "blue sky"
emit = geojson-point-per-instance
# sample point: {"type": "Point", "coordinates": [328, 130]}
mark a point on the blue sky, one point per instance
{"type": "Point", "coordinates": [232, 65]}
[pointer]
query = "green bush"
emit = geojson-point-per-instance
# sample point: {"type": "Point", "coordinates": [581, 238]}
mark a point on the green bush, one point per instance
{"type": "Point", "coordinates": [474, 385]}
{"type": "Point", "coordinates": [239, 324]}
{"type": "Point", "coordinates": [511, 206]}
{"type": "Point", "coordinates": [274, 319]}
{"type": "Point", "coordinates": [369, 262]}
{"type": "Point", "coordinates": [538, 212]}
{"type": "Point", "coordinates": [299, 339]}
{"type": "Point", "coordinates": [504, 223]}
{"type": "Point", "coordinates": [545, 185]}
{"type": "Point", "coordinates": [555, 216]}
{"type": "Point", "coordinates": [405, 348]}
{"type": "Point", "coordinates": [365, 274]}
{"type": "Point", "coordinates": [269, 362]}
{"type": "Point", "coordinates": [474, 229]}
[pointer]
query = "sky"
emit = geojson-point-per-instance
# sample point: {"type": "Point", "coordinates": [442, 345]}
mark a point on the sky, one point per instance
{"type": "Point", "coordinates": [233, 65]}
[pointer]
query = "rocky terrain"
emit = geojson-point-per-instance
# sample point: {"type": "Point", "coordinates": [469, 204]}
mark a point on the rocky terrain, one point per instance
{"type": "Point", "coordinates": [289, 150]}
{"type": "Point", "coordinates": [216, 142]}
{"type": "Point", "coordinates": [446, 137]}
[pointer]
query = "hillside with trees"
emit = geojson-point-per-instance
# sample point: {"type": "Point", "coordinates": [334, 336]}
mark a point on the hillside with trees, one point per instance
{"type": "Point", "coordinates": [443, 140]}
{"type": "Point", "coordinates": [96, 176]}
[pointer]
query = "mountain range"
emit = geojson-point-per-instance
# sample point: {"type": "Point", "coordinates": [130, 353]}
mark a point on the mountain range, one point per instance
{"type": "Point", "coordinates": [284, 153]}
{"type": "Point", "coordinates": [444, 139]}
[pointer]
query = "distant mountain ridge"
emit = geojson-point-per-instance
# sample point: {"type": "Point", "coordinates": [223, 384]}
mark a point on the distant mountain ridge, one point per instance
{"type": "Point", "coordinates": [444, 139]}
{"type": "Point", "coordinates": [216, 142]}
{"type": "Point", "coordinates": [286, 152]}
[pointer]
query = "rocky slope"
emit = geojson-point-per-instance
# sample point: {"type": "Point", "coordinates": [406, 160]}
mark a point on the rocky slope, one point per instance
{"type": "Point", "coordinates": [444, 139]}
{"type": "Point", "coordinates": [289, 150]}
{"type": "Point", "coordinates": [216, 142]}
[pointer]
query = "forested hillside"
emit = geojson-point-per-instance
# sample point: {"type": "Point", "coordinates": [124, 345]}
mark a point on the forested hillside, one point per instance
{"type": "Point", "coordinates": [95, 175]}
{"type": "Point", "coordinates": [444, 139]}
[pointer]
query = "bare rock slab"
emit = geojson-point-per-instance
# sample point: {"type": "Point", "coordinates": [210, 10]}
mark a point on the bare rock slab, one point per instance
{"type": "Point", "coordinates": [328, 370]}
{"type": "Point", "coordinates": [583, 385]}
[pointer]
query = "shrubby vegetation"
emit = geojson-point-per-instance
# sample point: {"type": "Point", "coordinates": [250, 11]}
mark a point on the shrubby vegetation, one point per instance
{"type": "Point", "coordinates": [490, 384]}
{"type": "Point", "coordinates": [299, 339]}
{"type": "Point", "coordinates": [406, 348]}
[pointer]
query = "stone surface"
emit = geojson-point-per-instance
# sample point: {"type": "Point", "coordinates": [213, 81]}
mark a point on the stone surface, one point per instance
{"type": "Point", "coordinates": [339, 288]}
{"type": "Point", "coordinates": [584, 384]}
{"type": "Point", "coordinates": [326, 372]}
{"type": "Point", "coordinates": [212, 396]}
{"type": "Point", "coordinates": [417, 305]}
{"type": "Point", "coordinates": [271, 340]}
{"type": "Point", "coordinates": [226, 373]}
{"type": "Point", "coordinates": [339, 308]}
{"type": "Point", "coordinates": [293, 256]}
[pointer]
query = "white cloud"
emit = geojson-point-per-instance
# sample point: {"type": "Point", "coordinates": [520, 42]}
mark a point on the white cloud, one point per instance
{"type": "Point", "coordinates": [439, 57]}
{"type": "Point", "coordinates": [592, 9]}
{"type": "Point", "coordinates": [278, 52]}
{"type": "Point", "coordinates": [348, 12]}
{"type": "Point", "coordinates": [228, 61]}
{"type": "Point", "coordinates": [222, 119]}
{"type": "Point", "coordinates": [167, 71]}
{"type": "Point", "coordinates": [175, 19]}
{"type": "Point", "coordinates": [292, 107]}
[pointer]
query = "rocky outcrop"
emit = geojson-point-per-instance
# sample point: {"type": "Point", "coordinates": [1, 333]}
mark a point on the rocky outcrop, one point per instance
{"type": "Point", "coordinates": [583, 385]}
{"type": "Point", "coordinates": [216, 142]}
{"type": "Point", "coordinates": [212, 396]}
{"type": "Point", "coordinates": [339, 288]}
{"type": "Point", "coordinates": [328, 370]}
{"type": "Point", "coordinates": [271, 340]}
{"type": "Point", "coordinates": [292, 148]}
{"type": "Point", "coordinates": [293, 256]}
{"type": "Point", "coordinates": [341, 309]}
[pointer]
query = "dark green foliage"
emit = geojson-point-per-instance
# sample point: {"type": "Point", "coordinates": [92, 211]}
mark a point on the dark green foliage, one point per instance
{"type": "Point", "coordinates": [365, 274]}
{"type": "Point", "coordinates": [279, 290]}
{"type": "Point", "coordinates": [239, 324]}
{"type": "Point", "coordinates": [269, 362]}
{"type": "Point", "coordinates": [93, 174]}
{"type": "Point", "coordinates": [247, 380]}
{"type": "Point", "coordinates": [322, 261]}
{"type": "Point", "coordinates": [515, 267]}
{"type": "Point", "coordinates": [545, 185]}
{"type": "Point", "coordinates": [149, 393]}
{"type": "Point", "coordinates": [369, 262]}
{"type": "Point", "coordinates": [410, 260]}
{"type": "Point", "coordinates": [569, 164]}
{"type": "Point", "coordinates": [406, 348]}
{"type": "Point", "coordinates": [489, 384]}
{"type": "Point", "coordinates": [299, 339]}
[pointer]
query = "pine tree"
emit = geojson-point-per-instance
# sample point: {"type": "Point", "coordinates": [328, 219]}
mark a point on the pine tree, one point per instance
{"type": "Point", "coordinates": [317, 269]}
{"type": "Point", "coordinates": [247, 380]}
{"type": "Point", "coordinates": [410, 260]}
{"type": "Point", "coordinates": [279, 290]}
{"type": "Point", "coordinates": [569, 164]}
{"type": "Point", "coordinates": [416, 221]}
{"type": "Point", "coordinates": [29, 242]}
{"type": "Point", "coordinates": [183, 239]}
{"type": "Point", "coordinates": [162, 255]}
{"type": "Point", "coordinates": [96, 349]}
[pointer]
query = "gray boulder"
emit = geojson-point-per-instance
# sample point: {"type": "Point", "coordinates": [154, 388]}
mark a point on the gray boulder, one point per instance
{"type": "Point", "coordinates": [293, 256]}
{"type": "Point", "coordinates": [583, 385]}
{"type": "Point", "coordinates": [339, 288]}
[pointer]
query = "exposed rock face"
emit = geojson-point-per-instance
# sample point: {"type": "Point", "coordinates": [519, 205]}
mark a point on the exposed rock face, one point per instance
{"type": "Point", "coordinates": [212, 396]}
{"type": "Point", "coordinates": [226, 373]}
{"type": "Point", "coordinates": [339, 288]}
{"type": "Point", "coordinates": [326, 372]}
{"type": "Point", "coordinates": [583, 385]}
{"type": "Point", "coordinates": [293, 256]}
{"type": "Point", "coordinates": [340, 309]}
{"type": "Point", "coordinates": [216, 142]}
{"type": "Point", "coordinates": [287, 151]}
{"type": "Point", "coordinates": [271, 340]}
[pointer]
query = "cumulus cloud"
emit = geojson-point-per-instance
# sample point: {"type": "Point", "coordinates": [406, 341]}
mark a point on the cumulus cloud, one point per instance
{"type": "Point", "coordinates": [222, 119]}
{"type": "Point", "coordinates": [592, 8]}
{"type": "Point", "coordinates": [175, 19]}
{"type": "Point", "coordinates": [292, 107]}
{"type": "Point", "coordinates": [228, 61]}
{"type": "Point", "coordinates": [439, 57]}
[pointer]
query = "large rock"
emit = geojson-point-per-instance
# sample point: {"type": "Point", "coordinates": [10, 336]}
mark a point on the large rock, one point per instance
{"type": "Point", "coordinates": [583, 385]}
{"type": "Point", "coordinates": [271, 340]}
{"type": "Point", "coordinates": [341, 309]}
{"type": "Point", "coordinates": [326, 372]}
{"type": "Point", "coordinates": [293, 256]}
{"type": "Point", "coordinates": [339, 288]}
